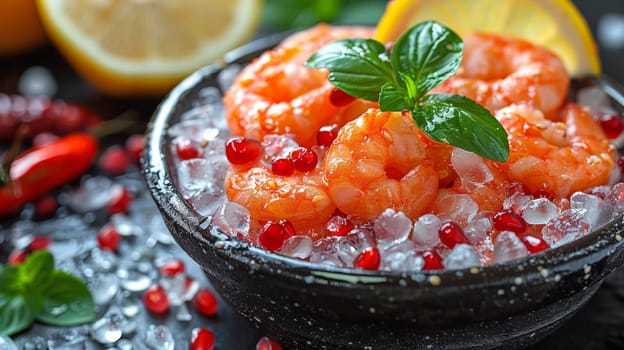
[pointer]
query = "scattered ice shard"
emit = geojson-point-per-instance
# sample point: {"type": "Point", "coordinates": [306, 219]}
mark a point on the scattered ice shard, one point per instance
{"type": "Point", "coordinates": [106, 330]}
{"type": "Point", "coordinates": [596, 211]}
{"type": "Point", "coordinates": [425, 233]}
{"type": "Point", "coordinates": [93, 194]}
{"type": "Point", "coordinates": [478, 230]}
{"type": "Point", "coordinates": [297, 247]}
{"type": "Point", "coordinates": [472, 169]}
{"type": "Point", "coordinates": [159, 338]}
{"type": "Point", "coordinates": [391, 227]}
{"type": "Point", "coordinates": [103, 287]}
{"type": "Point", "coordinates": [232, 218]}
{"type": "Point", "coordinates": [566, 227]}
{"type": "Point", "coordinates": [7, 344]}
{"type": "Point", "coordinates": [539, 211]}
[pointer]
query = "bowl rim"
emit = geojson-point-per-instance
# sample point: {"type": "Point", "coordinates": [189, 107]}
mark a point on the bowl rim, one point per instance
{"type": "Point", "coordinates": [605, 240]}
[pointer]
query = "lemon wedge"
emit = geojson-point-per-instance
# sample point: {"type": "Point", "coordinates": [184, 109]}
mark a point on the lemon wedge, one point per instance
{"type": "Point", "coordinates": [555, 24]}
{"type": "Point", "coordinates": [144, 47]}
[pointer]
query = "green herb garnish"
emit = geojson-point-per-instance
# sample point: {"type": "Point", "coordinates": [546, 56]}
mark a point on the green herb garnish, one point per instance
{"type": "Point", "coordinates": [34, 290]}
{"type": "Point", "coordinates": [423, 57]}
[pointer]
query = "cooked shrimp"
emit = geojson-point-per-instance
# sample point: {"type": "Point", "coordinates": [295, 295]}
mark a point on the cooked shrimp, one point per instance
{"type": "Point", "coordinates": [301, 198]}
{"type": "Point", "coordinates": [276, 94]}
{"type": "Point", "coordinates": [378, 161]}
{"type": "Point", "coordinates": [497, 71]}
{"type": "Point", "coordinates": [559, 158]}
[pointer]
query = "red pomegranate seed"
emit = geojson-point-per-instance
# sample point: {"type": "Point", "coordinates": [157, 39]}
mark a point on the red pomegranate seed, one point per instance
{"type": "Point", "coordinates": [620, 163]}
{"type": "Point", "coordinates": [134, 146]}
{"type": "Point", "coordinates": [172, 267]}
{"type": "Point", "coordinates": [114, 160]}
{"type": "Point", "coordinates": [369, 259]}
{"type": "Point", "coordinates": [241, 150]}
{"type": "Point", "coordinates": [185, 149]}
{"type": "Point", "coordinates": [282, 167]}
{"type": "Point", "coordinates": [327, 134]}
{"type": "Point", "coordinates": [433, 261]}
{"type": "Point", "coordinates": [304, 159]}
{"type": "Point", "coordinates": [155, 299]}
{"type": "Point", "coordinates": [452, 234]}
{"type": "Point", "coordinates": [340, 98]}
{"type": "Point", "coordinates": [509, 221]}
{"type": "Point", "coordinates": [120, 199]}
{"type": "Point", "coordinates": [338, 226]}
{"type": "Point", "coordinates": [266, 343]}
{"type": "Point", "coordinates": [202, 339]}
{"type": "Point", "coordinates": [108, 238]}
{"type": "Point", "coordinates": [612, 125]}
{"type": "Point", "coordinates": [534, 244]}
{"type": "Point", "coordinates": [17, 257]}
{"type": "Point", "coordinates": [45, 207]}
{"type": "Point", "coordinates": [273, 234]}
{"type": "Point", "coordinates": [205, 302]}
{"type": "Point", "coordinates": [39, 243]}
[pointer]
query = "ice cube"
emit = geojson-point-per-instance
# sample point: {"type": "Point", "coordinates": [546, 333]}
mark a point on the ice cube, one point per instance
{"type": "Point", "coordinates": [507, 246]}
{"type": "Point", "coordinates": [106, 330]}
{"type": "Point", "coordinates": [391, 227]}
{"type": "Point", "coordinates": [297, 247]}
{"type": "Point", "coordinates": [594, 209]}
{"type": "Point", "coordinates": [478, 230]}
{"type": "Point", "coordinates": [277, 146]}
{"type": "Point", "coordinates": [539, 211]}
{"type": "Point", "coordinates": [103, 287]}
{"type": "Point", "coordinates": [516, 202]}
{"type": "Point", "coordinates": [461, 256]}
{"type": "Point", "coordinates": [354, 243]}
{"type": "Point", "coordinates": [401, 257]}
{"type": "Point", "coordinates": [566, 227]}
{"type": "Point", "coordinates": [232, 218]}
{"type": "Point", "coordinates": [425, 233]}
{"type": "Point", "coordinates": [6, 343]}
{"type": "Point", "coordinates": [471, 168]}
{"type": "Point", "coordinates": [93, 194]}
{"type": "Point", "coordinates": [594, 98]}
{"type": "Point", "coordinates": [324, 251]}
{"type": "Point", "coordinates": [457, 207]}
{"type": "Point", "coordinates": [194, 175]}
{"type": "Point", "coordinates": [616, 197]}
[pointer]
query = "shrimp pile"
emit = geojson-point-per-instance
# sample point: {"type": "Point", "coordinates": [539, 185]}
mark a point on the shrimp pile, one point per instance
{"type": "Point", "coordinates": [375, 165]}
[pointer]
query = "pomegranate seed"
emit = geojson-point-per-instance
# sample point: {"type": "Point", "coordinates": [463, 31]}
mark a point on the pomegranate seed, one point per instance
{"type": "Point", "coordinates": [17, 257]}
{"type": "Point", "coordinates": [185, 149]}
{"type": "Point", "coordinates": [172, 267]}
{"type": "Point", "coordinates": [612, 125]}
{"type": "Point", "coordinates": [45, 207]}
{"type": "Point", "coordinates": [451, 234]}
{"type": "Point", "coordinates": [338, 226]}
{"type": "Point", "coordinates": [620, 163]}
{"type": "Point", "coordinates": [134, 146]}
{"type": "Point", "coordinates": [120, 199]}
{"type": "Point", "coordinates": [327, 134]}
{"type": "Point", "coordinates": [433, 261]}
{"type": "Point", "coordinates": [369, 259]}
{"type": "Point", "coordinates": [114, 160]}
{"type": "Point", "coordinates": [282, 167]}
{"type": "Point", "coordinates": [534, 244]}
{"type": "Point", "coordinates": [155, 299]}
{"type": "Point", "coordinates": [108, 238]}
{"type": "Point", "coordinates": [205, 302]}
{"type": "Point", "coordinates": [304, 159]}
{"type": "Point", "coordinates": [266, 343]}
{"type": "Point", "coordinates": [273, 234]}
{"type": "Point", "coordinates": [340, 98]}
{"type": "Point", "coordinates": [39, 243]}
{"type": "Point", "coordinates": [241, 150]}
{"type": "Point", "coordinates": [202, 339]}
{"type": "Point", "coordinates": [509, 221]}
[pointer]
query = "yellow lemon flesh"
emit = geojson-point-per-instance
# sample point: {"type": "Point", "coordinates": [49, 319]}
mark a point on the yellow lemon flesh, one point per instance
{"type": "Point", "coordinates": [144, 47]}
{"type": "Point", "coordinates": [555, 24]}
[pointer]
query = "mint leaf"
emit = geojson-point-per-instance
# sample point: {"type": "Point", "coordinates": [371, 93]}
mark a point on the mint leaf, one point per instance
{"type": "Point", "coordinates": [37, 268]}
{"type": "Point", "coordinates": [462, 122]}
{"type": "Point", "coordinates": [11, 285]}
{"type": "Point", "coordinates": [66, 301]}
{"type": "Point", "coordinates": [15, 314]}
{"type": "Point", "coordinates": [359, 67]}
{"type": "Point", "coordinates": [393, 97]}
{"type": "Point", "coordinates": [429, 53]}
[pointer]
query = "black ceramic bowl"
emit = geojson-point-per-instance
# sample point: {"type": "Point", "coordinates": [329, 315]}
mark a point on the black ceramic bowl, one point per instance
{"type": "Point", "coordinates": [306, 305]}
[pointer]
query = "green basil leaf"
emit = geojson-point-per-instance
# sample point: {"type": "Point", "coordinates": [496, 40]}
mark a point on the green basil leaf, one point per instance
{"type": "Point", "coordinates": [428, 53]}
{"type": "Point", "coordinates": [393, 97]}
{"type": "Point", "coordinates": [463, 123]}
{"type": "Point", "coordinates": [15, 314]}
{"type": "Point", "coordinates": [359, 67]}
{"type": "Point", "coordinates": [66, 301]}
{"type": "Point", "coordinates": [37, 268]}
{"type": "Point", "coordinates": [10, 285]}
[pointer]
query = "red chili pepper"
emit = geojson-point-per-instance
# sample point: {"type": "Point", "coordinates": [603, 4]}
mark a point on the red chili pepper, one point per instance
{"type": "Point", "coordinates": [41, 169]}
{"type": "Point", "coordinates": [41, 114]}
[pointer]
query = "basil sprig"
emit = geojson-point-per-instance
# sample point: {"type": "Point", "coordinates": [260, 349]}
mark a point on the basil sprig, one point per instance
{"type": "Point", "coordinates": [34, 290]}
{"type": "Point", "coordinates": [423, 57]}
